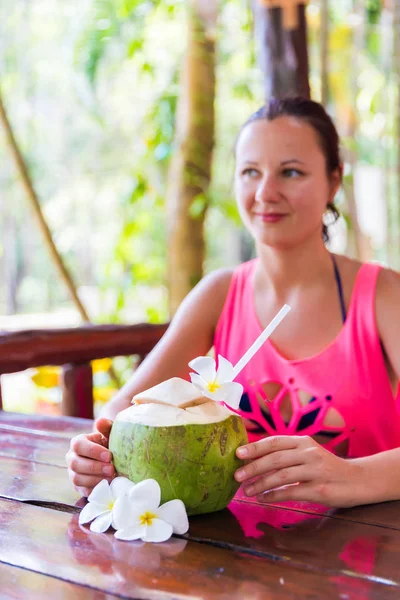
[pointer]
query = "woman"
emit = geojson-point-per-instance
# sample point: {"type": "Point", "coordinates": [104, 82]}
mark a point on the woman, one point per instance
{"type": "Point", "coordinates": [319, 398]}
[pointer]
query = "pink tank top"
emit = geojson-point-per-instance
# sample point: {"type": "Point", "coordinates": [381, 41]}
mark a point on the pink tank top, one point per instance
{"type": "Point", "coordinates": [349, 376]}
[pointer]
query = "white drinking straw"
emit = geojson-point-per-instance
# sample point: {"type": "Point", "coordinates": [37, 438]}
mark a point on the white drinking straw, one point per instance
{"type": "Point", "coordinates": [260, 340]}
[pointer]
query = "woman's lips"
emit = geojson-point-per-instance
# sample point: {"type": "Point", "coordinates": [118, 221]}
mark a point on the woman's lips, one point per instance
{"type": "Point", "coordinates": [270, 217]}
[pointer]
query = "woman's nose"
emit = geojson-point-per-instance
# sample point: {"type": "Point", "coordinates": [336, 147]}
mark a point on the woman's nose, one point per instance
{"type": "Point", "coordinates": [268, 189]}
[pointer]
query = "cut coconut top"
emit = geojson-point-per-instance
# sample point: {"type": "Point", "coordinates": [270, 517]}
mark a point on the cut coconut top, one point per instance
{"type": "Point", "coordinates": [174, 392]}
{"type": "Point", "coordinates": [164, 415]}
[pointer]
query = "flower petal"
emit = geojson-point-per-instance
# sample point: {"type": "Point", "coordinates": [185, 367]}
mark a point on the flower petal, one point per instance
{"type": "Point", "coordinates": [198, 381]}
{"type": "Point", "coordinates": [101, 523]}
{"type": "Point", "coordinates": [233, 393]}
{"type": "Point", "coordinates": [230, 393]}
{"type": "Point", "coordinates": [146, 492]}
{"type": "Point", "coordinates": [135, 532]}
{"type": "Point", "coordinates": [204, 366]}
{"type": "Point", "coordinates": [90, 512]}
{"type": "Point", "coordinates": [101, 494]}
{"type": "Point", "coordinates": [174, 513]}
{"type": "Point", "coordinates": [225, 370]}
{"type": "Point", "coordinates": [158, 531]}
{"type": "Point", "coordinates": [217, 395]}
{"type": "Point", "coordinates": [125, 513]}
{"type": "Point", "coordinates": [120, 486]}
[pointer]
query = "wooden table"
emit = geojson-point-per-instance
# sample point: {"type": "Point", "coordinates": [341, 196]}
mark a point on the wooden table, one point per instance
{"type": "Point", "coordinates": [248, 551]}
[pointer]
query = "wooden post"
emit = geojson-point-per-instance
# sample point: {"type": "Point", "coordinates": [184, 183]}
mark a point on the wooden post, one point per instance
{"type": "Point", "coordinates": [290, 14]}
{"type": "Point", "coordinates": [77, 390]}
{"type": "Point", "coordinates": [281, 34]}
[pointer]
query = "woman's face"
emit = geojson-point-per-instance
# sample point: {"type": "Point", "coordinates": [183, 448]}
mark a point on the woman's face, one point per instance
{"type": "Point", "coordinates": [281, 184]}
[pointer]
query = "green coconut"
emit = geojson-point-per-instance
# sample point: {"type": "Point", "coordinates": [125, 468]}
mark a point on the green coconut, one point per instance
{"type": "Point", "coordinates": [189, 451]}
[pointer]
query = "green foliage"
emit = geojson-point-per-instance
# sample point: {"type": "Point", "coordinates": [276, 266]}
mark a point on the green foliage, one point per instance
{"type": "Point", "coordinates": [198, 206]}
{"type": "Point", "coordinates": [91, 47]}
{"type": "Point", "coordinates": [121, 20]}
{"type": "Point", "coordinates": [105, 76]}
{"type": "Point", "coordinates": [139, 255]}
{"type": "Point", "coordinates": [374, 10]}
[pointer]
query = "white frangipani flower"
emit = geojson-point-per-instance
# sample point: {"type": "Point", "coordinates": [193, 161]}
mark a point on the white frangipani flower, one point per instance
{"type": "Point", "coordinates": [216, 384]}
{"type": "Point", "coordinates": [138, 515]}
{"type": "Point", "coordinates": [101, 503]}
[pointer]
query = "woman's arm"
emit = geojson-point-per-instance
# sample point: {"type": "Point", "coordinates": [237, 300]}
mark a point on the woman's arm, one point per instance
{"type": "Point", "coordinates": [382, 470]}
{"type": "Point", "coordinates": [189, 335]}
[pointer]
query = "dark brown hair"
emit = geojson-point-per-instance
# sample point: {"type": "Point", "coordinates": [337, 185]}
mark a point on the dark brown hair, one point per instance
{"type": "Point", "coordinates": [315, 115]}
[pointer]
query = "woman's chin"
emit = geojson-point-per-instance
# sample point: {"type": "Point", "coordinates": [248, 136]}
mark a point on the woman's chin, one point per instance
{"type": "Point", "coordinates": [274, 240]}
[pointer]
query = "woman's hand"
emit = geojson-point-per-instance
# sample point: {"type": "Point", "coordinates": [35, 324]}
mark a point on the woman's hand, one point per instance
{"type": "Point", "coordinates": [304, 467]}
{"type": "Point", "coordinates": [89, 460]}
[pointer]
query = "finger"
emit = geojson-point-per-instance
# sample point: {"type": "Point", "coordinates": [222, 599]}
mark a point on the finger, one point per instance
{"type": "Point", "coordinates": [267, 446]}
{"type": "Point", "coordinates": [84, 492]}
{"type": "Point", "coordinates": [303, 492]}
{"type": "Point", "coordinates": [85, 481]}
{"type": "Point", "coordinates": [87, 466]}
{"type": "Point", "coordinates": [271, 462]}
{"type": "Point", "coordinates": [103, 426]}
{"type": "Point", "coordinates": [278, 479]}
{"type": "Point", "coordinates": [90, 446]}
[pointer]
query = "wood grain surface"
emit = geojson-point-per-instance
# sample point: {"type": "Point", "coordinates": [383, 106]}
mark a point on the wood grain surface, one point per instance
{"type": "Point", "coordinates": [53, 544]}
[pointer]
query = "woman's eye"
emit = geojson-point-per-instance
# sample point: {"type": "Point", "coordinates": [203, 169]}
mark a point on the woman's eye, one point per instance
{"type": "Point", "coordinates": [290, 173]}
{"type": "Point", "coordinates": [250, 172]}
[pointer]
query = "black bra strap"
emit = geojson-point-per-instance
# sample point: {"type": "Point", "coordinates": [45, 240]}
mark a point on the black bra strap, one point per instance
{"type": "Point", "coordinates": [339, 287]}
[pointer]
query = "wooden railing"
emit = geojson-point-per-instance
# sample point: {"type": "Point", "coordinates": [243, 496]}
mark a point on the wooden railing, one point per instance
{"type": "Point", "coordinates": [73, 349]}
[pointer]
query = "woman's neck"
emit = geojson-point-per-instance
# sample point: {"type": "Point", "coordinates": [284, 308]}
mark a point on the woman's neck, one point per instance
{"type": "Point", "coordinates": [288, 269]}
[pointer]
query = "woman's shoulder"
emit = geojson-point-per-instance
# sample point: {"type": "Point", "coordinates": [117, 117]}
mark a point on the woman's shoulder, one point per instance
{"type": "Point", "coordinates": [348, 267]}
{"type": "Point", "coordinates": [379, 282]}
{"type": "Point", "coordinates": [388, 290]}
{"type": "Point", "coordinates": [213, 290]}
{"type": "Point", "coordinates": [386, 278]}
{"type": "Point", "coordinates": [218, 281]}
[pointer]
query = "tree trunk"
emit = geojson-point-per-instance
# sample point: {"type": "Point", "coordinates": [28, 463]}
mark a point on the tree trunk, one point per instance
{"type": "Point", "coordinates": [282, 50]}
{"type": "Point", "coordinates": [190, 171]}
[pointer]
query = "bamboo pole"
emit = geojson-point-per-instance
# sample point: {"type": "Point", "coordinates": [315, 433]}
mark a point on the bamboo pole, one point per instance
{"type": "Point", "coordinates": [35, 205]}
{"type": "Point", "coordinates": [190, 169]}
